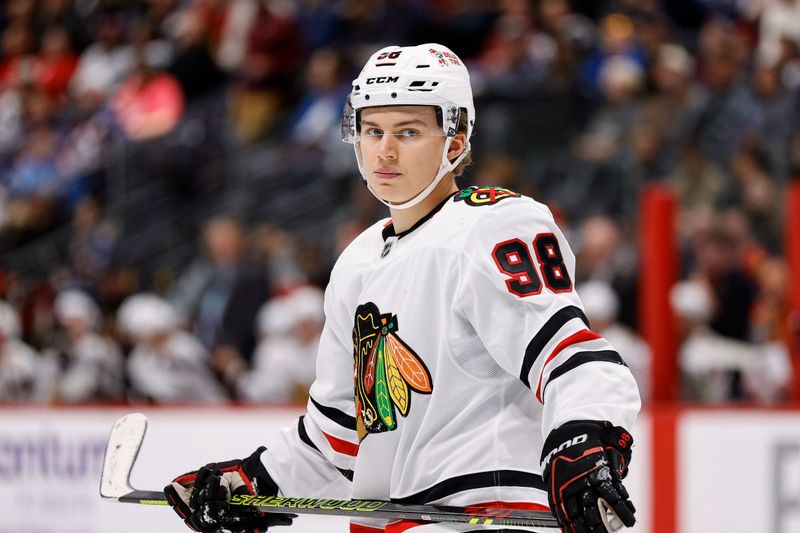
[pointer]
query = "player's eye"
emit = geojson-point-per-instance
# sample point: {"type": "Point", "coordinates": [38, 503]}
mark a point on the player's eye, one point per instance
{"type": "Point", "coordinates": [410, 132]}
{"type": "Point", "coordinates": [372, 132]}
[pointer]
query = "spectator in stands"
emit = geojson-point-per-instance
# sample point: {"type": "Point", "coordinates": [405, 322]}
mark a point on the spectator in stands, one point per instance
{"type": "Point", "coordinates": [56, 64]}
{"type": "Point", "coordinates": [670, 108]}
{"type": "Point", "coordinates": [598, 249]}
{"type": "Point", "coordinates": [605, 146]}
{"type": "Point", "coordinates": [83, 151]}
{"type": "Point", "coordinates": [12, 114]}
{"type": "Point", "coordinates": [92, 242]}
{"type": "Point", "coordinates": [719, 369]}
{"type": "Point", "coordinates": [321, 22]}
{"type": "Point", "coordinates": [558, 19]}
{"type": "Point", "coordinates": [620, 80]}
{"type": "Point", "coordinates": [146, 43]}
{"type": "Point", "coordinates": [758, 196]}
{"type": "Point", "coordinates": [66, 14]}
{"type": "Point", "coordinates": [265, 79]}
{"type": "Point", "coordinates": [193, 65]}
{"type": "Point", "coordinates": [312, 150]}
{"type": "Point", "coordinates": [149, 103]}
{"type": "Point", "coordinates": [93, 368]}
{"type": "Point", "coordinates": [697, 180]}
{"type": "Point", "coordinates": [652, 27]}
{"type": "Point", "coordinates": [617, 40]}
{"type": "Point", "coordinates": [779, 23]}
{"type": "Point", "coordinates": [705, 378]}
{"type": "Point", "coordinates": [17, 360]}
{"type": "Point", "coordinates": [220, 294]}
{"type": "Point", "coordinates": [317, 121]}
{"type": "Point", "coordinates": [35, 172]}
{"type": "Point", "coordinates": [726, 117]}
{"type": "Point", "coordinates": [105, 63]}
{"type": "Point", "coordinates": [777, 117]}
{"type": "Point", "coordinates": [166, 363]}
{"type": "Point", "coordinates": [33, 184]}
{"type": "Point", "coordinates": [516, 57]}
{"type": "Point", "coordinates": [772, 328]}
{"type": "Point", "coordinates": [662, 122]}
{"type": "Point", "coordinates": [284, 362]}
{"type": "Point", "coordinates": [717, 252]}
{"type": "Point", "coordinates": [605, 253]}
{"type": "Point", "coordinates": [16, 61]}
{"type": "Point", "coordinates": [20, 11]}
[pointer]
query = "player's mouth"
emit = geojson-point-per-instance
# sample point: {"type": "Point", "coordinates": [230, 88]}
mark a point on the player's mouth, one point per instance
{"type": "Point", "coordinates": [385, 174]}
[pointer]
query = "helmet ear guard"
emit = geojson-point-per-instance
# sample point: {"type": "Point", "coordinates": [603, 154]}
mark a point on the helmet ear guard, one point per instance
{"type": "Point", "coordinates": [349, 123]}
{"type": "Point", "coordinates": [450, 119]}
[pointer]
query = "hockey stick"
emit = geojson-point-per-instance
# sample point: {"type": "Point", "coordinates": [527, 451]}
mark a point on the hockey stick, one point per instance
{"type": "Point", "coordinates": [126, 440]}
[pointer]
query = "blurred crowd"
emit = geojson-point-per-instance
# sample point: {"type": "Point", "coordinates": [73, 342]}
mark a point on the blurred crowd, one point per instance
{"type": "Point", "coordinates": [173, 190]}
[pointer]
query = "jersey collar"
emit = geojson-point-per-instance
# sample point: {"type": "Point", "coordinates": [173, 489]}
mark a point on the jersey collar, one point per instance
{"type": "Point", "coordinates": [388, 230]}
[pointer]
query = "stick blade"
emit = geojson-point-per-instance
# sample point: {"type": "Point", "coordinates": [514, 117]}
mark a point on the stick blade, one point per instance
{"type": "Point", "coordinates": [609, 516]}
{"type": "Point", "coordinates": [123, 446]}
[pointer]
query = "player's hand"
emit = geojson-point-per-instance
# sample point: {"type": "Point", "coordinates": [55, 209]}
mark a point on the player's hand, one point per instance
{"type": "Point", "coordinates": [584, 464]}
{"type": "Point", "coordinates": [201, 498]}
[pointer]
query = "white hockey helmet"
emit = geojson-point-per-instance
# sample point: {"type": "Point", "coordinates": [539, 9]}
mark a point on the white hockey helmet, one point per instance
{"type": "Point", "coordinates": [308, 303]}
{"type": "Point", "coordinates": [73, 304]}
{"type": "Point", "coordinates": [692, 300]}
{"type": "Point", "coordinates": [599, 301]}
{"type": "Point", "coordinates": [146, 314]}
{"type": "Point", "coordinates": [428, 75]}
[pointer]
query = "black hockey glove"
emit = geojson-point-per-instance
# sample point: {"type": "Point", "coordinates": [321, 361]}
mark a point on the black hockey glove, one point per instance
{"type": "Point", "coordinates": [584, 466]}
{"type": "Point", "coordinates": [201, 497]}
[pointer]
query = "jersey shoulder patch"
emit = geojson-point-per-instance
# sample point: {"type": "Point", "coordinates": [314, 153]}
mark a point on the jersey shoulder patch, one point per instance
{"type": "Point", "coordinates": [478, 196]}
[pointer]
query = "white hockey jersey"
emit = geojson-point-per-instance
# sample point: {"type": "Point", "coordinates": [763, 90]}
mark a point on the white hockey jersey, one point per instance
{"type": "Point", "coordinates": [449, 352]}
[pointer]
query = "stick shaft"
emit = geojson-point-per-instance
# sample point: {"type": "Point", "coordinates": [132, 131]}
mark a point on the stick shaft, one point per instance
{"type": "Point", "coordinates": [371, 509]}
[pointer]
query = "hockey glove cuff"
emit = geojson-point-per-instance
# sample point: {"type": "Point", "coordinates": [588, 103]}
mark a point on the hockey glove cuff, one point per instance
{"type": "Point", "coordinates": [202, 498]}
{"type": "Point", "coordinates": [584, 463]}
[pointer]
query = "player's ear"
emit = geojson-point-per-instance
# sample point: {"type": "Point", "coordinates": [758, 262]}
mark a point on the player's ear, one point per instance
{"type": "Point", "coordinates": [457, 145]}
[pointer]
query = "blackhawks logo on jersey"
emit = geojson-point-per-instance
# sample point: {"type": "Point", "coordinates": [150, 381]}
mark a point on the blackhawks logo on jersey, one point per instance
{"type": "Point", "coordinates": [386, 371]}
{"type": "Point", "coordinates": [478, 196]}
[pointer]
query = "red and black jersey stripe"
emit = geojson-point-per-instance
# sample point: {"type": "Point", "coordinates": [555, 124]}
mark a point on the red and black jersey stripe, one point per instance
{"type": "Point", "coordinates": [545, 335]}
{"type": "Point", "coordinates": [303, 434]}
{"type": "Point", "coordinates": [581, 358]}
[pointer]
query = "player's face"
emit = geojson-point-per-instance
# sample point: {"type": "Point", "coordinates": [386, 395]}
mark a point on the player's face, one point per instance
{"type": "Point", "coordinates": [401, 150]}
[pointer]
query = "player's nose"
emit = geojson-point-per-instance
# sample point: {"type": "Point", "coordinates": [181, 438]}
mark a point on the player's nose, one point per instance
{"type": "Point", "coordinates": [387, 147]}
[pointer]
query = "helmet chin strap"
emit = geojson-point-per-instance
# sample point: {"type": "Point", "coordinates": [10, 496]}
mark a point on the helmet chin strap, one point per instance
{"type": "Point", "coordinates": [445, 167]}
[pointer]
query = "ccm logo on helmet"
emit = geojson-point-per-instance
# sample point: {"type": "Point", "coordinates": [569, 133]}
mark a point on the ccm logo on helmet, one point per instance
{"type": "Point", "coordinates": [382, 79]}
{"type": "Point", "coordinates": [572, 442]}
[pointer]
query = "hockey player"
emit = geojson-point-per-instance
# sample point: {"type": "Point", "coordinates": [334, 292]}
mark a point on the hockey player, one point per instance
{"type": "Point", "coordinates": [456, 366]}
{"type": "Point", "coordinates": [95, 368]}
{"type": "Point", "coordinates": [166, 364]}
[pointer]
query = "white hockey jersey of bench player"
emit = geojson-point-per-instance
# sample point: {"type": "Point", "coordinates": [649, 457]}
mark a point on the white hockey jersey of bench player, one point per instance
{"type": "Point", "coordinates": [449, 352]}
